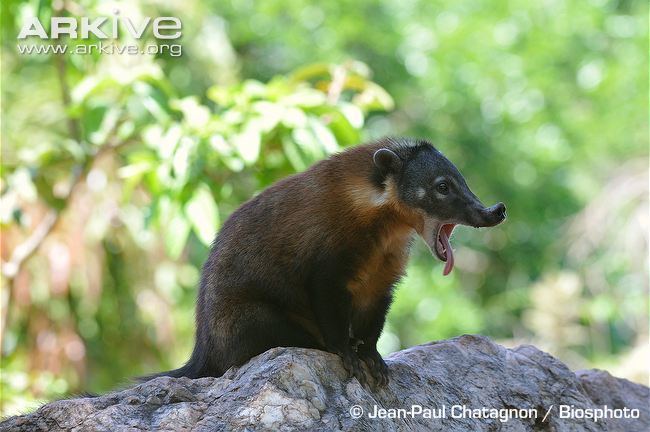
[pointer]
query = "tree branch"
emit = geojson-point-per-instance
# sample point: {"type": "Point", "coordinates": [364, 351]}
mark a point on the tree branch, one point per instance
{"type": "Point", "coordinates": [28, 247]}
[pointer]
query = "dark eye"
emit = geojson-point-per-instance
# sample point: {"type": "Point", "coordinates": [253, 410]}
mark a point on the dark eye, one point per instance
{"type": "Point", "coordinates": [442, 188]}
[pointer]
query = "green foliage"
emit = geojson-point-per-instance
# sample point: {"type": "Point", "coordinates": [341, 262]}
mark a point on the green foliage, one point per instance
{"type": "Point", "coordinates": [539, 104]}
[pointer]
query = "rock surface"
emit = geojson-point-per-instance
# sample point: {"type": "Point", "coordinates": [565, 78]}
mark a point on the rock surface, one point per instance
{"type": "Point", "coordinates": [298, 389]}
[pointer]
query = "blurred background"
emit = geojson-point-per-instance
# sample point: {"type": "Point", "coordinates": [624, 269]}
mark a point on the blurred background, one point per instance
{"type": "Point", "coordinates": [117, 171]}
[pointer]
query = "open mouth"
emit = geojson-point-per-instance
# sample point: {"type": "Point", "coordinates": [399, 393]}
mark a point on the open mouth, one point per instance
{"type": "Point", "coordinates": [442, 247]}
{"type": "Point", "coordinates": [436, 234]}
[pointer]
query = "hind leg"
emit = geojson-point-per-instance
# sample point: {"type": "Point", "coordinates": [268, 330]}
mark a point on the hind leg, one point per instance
{"type": "Point", "coordinates": [256, 328]}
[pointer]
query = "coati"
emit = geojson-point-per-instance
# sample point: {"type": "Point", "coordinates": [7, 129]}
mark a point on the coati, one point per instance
{"type": "Point", "coordinates": [312, 260]}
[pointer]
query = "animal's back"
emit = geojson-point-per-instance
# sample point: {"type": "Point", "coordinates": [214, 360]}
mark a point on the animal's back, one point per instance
{"type": "Point", "coordinates": [268, 241]}
{"type": "Point", "coordinates": [254, 291]}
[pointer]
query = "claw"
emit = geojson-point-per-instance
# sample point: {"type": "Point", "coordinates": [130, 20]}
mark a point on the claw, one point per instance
{"type": "Point", "coordinates": [376, 366]}
{"type": "Point", "coordinates": [352, 364]}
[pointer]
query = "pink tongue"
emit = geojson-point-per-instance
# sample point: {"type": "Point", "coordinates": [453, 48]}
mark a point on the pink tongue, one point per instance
{"type": "Point", "coordinates": [449, 264]}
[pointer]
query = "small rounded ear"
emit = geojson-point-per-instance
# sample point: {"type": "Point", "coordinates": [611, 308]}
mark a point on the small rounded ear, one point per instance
{"type": "Point", "coordinates": [387, 161]}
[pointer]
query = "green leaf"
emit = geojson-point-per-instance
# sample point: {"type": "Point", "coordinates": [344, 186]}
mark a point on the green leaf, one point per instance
{"type": "Point", "coordinates": [223, 96]}
{"type": "Point", "coordinates": [150, 100]}
{"type": "Point", "coordinates": [344, 132]}
{"type": "Point", "coordinates": [307, 145]}
{"type": "Point", "coordinates": [315, 70]}
{"type": "Point", "coordinates": [324, 136]}
{"type": "Point", "coordinates": [270, 114]}
{"type": "Point", "coordinates": [248, 144]}
{"type": "Point", "coordinates": [176, 232]}
{"type": "Point", "coordinates": [305, 97]}
{"type": "Point", "coordinates": [181, 159]}
{"type": "Point", "coordinates": [293, 154]}
{"type": "Point", "coordinates": [353, 114]}
{"type": "Point", "coordinates": [374, 98]}
{"type": "Point", "coordinates": [202, 212]}
{"type": "Point", "coordinates": [196, 115]}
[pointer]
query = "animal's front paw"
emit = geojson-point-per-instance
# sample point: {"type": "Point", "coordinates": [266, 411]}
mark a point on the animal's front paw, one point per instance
{"type": "Point", "coordinates": [376, 365]}
{"type": "Point", "coordinates": [352, 364]}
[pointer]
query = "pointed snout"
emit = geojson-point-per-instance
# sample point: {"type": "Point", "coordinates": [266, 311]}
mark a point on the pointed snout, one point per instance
{"type": "Point", "coordinates": [490, 216]}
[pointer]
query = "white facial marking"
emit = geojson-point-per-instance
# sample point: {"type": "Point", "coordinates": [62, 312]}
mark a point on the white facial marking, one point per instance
{"type": "Point", "coordinates": [379, 199]}
{"type": "Point", "coordinates": [420, 193]}
{"type": "Point", "coordinates": [364, 195]}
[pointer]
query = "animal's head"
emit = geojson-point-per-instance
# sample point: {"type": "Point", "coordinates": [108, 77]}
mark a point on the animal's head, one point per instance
{"type": "Point", "coordinates": [427, 182]}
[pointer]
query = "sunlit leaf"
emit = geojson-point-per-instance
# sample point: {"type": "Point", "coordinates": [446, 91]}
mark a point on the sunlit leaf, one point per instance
{"type": "Point", "coordinates": [195, 114]}
{"type": "Point", "coordinates": [202, 212]}
{"type": "Point", "coordinates": [221, 95]}
{"type": "Point", "coordinates": [305, 97]}
{"type": "Point", "coordinates": [109, 121]}
{"type": "Point", "coordinates": [293, 154]}
{"type": "Point", "coordinates": [150, 102]}
{"type": "Point", "coordinates": [181, 159]}
{"type": "Point", "coordinates": [353, 114]}
{"type": "Point", "coordinates": [176, 232]}
{"type": "Point", "coordinates": [248, 144]}
{"type": "Point", "coordinates": [373, 97]}
{"type": "Point", "coordinates": [323, 135]}
{"type": "Point", "coordinates": [308, 146]}
{"type": "Point", "coordinates": [270, 114]}
{"type": "Point", "coordinates": [344, 132]}
{"type": "Point", "coordinates": [253, 89]}
{"type": "Point", "coordinates": [134, 170]}
{"type": "Point", "coordinates": [310, 71]}
{"type": "Point", "coordinates": [294, 118]}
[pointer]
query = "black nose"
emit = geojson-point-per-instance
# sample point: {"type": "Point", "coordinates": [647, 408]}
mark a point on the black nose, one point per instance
{"type": "Point", "coordinates": [500, 210]}
{"type": "Point", "coordinates": [490, 216]}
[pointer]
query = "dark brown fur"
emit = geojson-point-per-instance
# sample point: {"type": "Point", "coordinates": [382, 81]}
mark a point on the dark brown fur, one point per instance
{"type": "Point", "coordinates": [309, 262]}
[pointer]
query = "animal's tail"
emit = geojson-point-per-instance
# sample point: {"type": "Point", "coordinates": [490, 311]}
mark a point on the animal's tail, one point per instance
{"type": "Point", "coordinates": [183, 371]}
{"type": "Point", "coordinates": [196, 367]}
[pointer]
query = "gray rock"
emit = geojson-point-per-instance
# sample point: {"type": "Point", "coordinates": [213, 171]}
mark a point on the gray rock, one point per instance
{"type": "Point", "coordinates": [289, 389]}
